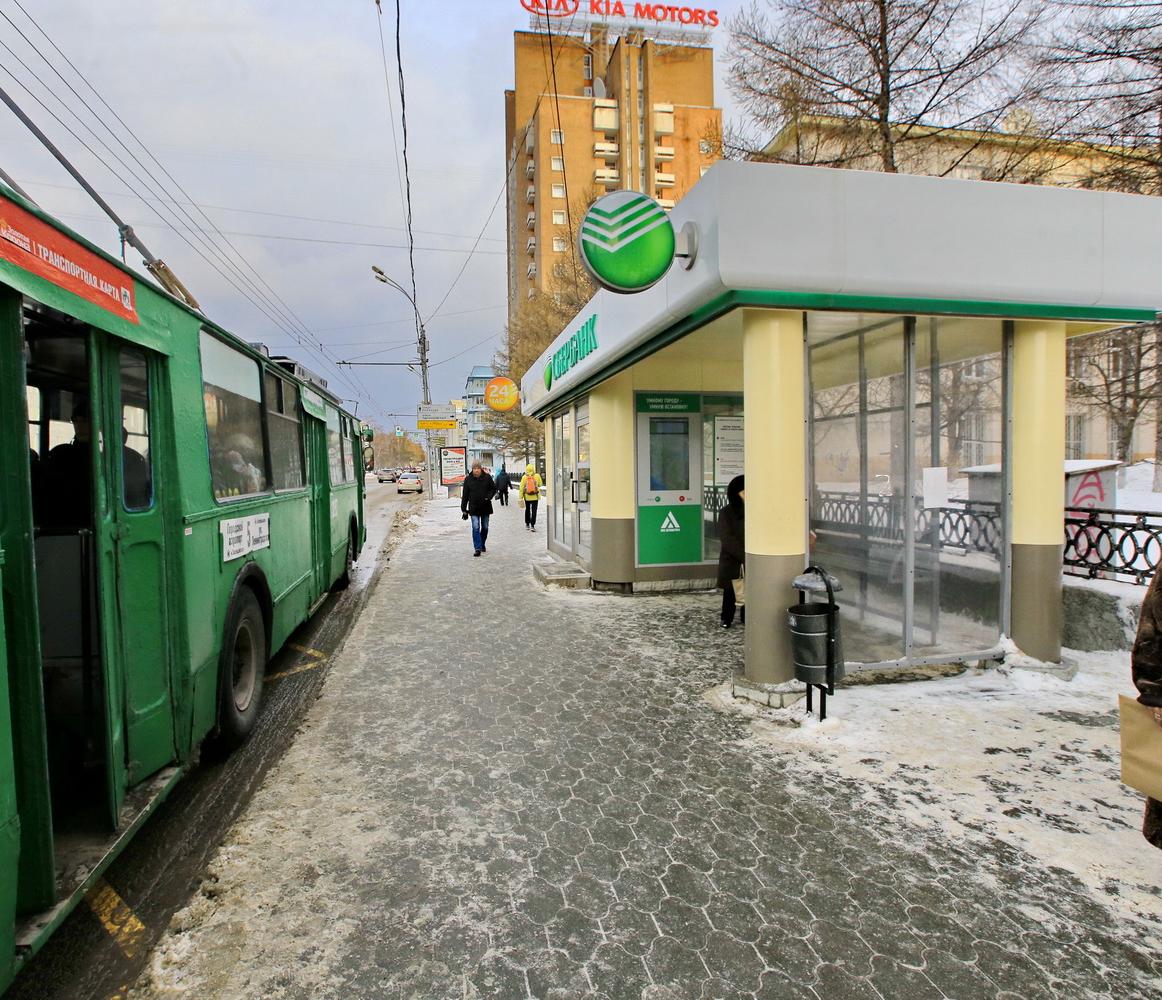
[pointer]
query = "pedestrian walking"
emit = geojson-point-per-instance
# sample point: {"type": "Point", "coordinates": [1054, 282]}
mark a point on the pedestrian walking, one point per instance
{"type": "Point", "coordinates": [503, 482]}
{"type": "Point", "coordinates": [476, 504]}
{"type": "Point", "coordinates": [530, 493]}
{"type": "Point", "coordinates": [1146, 667]}
{"type": "Point", "coordinates": [732, 554]}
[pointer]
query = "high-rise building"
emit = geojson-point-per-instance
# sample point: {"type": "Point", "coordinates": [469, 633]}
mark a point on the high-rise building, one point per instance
{"type": "Point", "coordinates": [604, 111]}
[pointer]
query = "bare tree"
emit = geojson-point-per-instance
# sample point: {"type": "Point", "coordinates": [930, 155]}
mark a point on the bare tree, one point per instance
{"type": "Point", "coordinates": [1104, 64]}
{"type": "Point", "coordinates": [531, 330]}
{"type": "Point", "coordinates": [1115, 373]}
{"type": "Point", "coordinates": [884, 73]}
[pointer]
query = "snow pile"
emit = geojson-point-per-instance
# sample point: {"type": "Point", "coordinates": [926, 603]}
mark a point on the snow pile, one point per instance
{"type": "Point", "coordinates": [1024, 756]}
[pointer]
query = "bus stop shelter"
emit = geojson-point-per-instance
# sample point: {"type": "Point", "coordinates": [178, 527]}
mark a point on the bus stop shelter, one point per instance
{"type": "Point", "coordinates": [852, 342]}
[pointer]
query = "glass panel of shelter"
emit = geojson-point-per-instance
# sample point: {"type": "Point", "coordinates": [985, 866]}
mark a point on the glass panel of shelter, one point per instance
{"type": "Point", "coordinates": [912, 535]}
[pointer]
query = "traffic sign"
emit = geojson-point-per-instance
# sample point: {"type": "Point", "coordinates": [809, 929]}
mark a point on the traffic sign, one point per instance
{"type": "Point", "coordinates": [436, 425]}
{"type": "Point", "coordinates": [437, 411]}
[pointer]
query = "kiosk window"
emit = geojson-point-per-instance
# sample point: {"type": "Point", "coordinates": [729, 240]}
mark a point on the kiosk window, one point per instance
{"type": "Point", "coordinates": [284, 424]}
{"type": "Point", "coordinates": [669, 454]}
{"type": "Point", "coordinates": [232, 393]}
{"type": "Point", "coordinates": [136, 460]}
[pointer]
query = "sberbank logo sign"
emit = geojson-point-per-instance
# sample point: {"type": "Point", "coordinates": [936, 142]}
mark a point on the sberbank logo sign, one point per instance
{"type": "Point", "coordinates": [627, 242]}
{"type": "Point", "coordinates": [580, 345]}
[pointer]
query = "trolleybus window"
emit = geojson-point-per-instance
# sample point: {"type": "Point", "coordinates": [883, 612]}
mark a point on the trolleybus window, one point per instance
{"type": "Point", "coordinates": [284, 422]}
{"type": "Point", "coordinates": [334, 446]}
{"type": "Point", "coordinates": [136, 459]}
{"type": "Point", "coordinates": [348, 453]}
{"type": "Point", "coordinates": [232, 392]}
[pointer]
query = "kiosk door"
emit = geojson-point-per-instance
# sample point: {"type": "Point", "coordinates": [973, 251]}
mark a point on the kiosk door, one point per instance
{"type": "Point", "coordinates": [669, 479]}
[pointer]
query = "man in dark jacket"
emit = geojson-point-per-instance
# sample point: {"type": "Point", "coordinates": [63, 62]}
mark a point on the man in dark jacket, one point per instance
{"type": "Point", "coordinates": [476, 503]}
{"type": "Point", "coordinates": [503, 482]}
{"type": "Point", "coordinates": [1146, 665]}
{"type": "Point", "coordinates": [732, 536]}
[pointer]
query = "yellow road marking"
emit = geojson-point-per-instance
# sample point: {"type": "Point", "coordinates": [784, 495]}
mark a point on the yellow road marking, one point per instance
{"type": "Point", "coordinates": [316, 654]}
{"type": "Point", "coordinates": [318, 657]}
{"type": "Point", "coordinates": [116, 917]}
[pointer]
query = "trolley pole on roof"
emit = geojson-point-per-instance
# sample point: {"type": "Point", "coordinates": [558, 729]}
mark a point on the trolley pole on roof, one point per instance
{"type": "Point", "coordinates": [157, 267]}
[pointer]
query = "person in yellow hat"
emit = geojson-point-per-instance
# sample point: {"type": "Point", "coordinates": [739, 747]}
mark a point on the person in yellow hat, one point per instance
{"type": "Point", "coordinates": [530, 492]}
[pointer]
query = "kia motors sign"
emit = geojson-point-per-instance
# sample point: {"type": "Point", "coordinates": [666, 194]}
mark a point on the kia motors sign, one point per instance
{"type": "Point", "coordinates": [658, 12]}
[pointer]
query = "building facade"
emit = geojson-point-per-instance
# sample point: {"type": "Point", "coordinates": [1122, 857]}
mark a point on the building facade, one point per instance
{"type": "Point", "coordinates": [480, 449]}
{"type": "Point", "coordinates": [603, 112]}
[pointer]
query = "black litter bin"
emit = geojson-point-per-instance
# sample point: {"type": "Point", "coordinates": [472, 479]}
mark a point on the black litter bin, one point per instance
{"type": "Point", "coordinates": [816, 642]}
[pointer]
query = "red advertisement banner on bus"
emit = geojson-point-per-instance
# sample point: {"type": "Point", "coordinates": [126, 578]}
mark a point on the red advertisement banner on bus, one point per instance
{"type": "Point", "coordinates": [38, 248]}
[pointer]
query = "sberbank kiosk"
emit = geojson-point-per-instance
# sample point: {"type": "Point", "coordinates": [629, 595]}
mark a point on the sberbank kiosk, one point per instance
{"type": "Point", "coordinates": [669, 478]}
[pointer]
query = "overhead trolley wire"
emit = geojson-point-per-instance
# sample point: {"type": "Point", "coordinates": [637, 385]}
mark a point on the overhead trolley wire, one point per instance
{"type": "Point", "coordinates": [507, 176]}
{"type": "Point", "coordinates": [271, 302]}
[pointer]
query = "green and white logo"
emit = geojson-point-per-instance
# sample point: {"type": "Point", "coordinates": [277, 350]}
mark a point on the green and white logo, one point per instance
{"type": "Point", "coordinates": [627, 242]}
{"type": "Point", "coordinates": [573, 351]}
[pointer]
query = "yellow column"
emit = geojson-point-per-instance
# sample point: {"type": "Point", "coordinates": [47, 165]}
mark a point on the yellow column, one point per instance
{"type": "Point", "coordinates": [775, 465]}
{"type": "Point", "coordinates": [1038, 487]}
{"type": "Point", "coordinates": [611, 441]}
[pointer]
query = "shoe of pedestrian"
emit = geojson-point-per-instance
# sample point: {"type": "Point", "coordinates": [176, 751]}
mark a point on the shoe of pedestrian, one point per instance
{"type": "Point", "coordinates": [476, 553]}
{"type": "Point", "coordinates": [483, 548]}
{"type": "Point", "coordinates": [725, 624]}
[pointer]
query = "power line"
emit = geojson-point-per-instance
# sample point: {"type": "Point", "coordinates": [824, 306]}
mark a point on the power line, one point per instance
{"type": "Point", "coordinates": [298, 218]}
{"type": "Point", "coordinates": [276, 304]}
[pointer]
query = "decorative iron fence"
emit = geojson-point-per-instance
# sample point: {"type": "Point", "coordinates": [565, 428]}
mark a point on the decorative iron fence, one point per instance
{"type": "Point", "coordinates": [1101, 543]}
{"type": "Point", "coordinates": [972, 526]}
{"type": "Point", "coordinates": [1123, 545]}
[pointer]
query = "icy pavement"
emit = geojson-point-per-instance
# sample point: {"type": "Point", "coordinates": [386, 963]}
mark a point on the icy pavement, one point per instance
{"type": "Point", "coordinates": [507, 792]}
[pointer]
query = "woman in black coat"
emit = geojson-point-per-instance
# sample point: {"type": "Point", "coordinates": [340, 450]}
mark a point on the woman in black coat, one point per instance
{"type": "Point", "coordinates": [732, 536]}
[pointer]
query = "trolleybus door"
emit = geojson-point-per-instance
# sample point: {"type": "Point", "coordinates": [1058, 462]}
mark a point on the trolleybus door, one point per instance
{"type": "Point", "coordinates": [320, 502]}
{"type": "Point", "coordinates": [134, 441]}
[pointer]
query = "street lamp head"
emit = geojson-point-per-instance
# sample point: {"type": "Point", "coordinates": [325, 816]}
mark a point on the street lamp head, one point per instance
{"type": "Point", "coordinates": [380, 277]}
{"type": "Point", "coordinates": [377, 270]}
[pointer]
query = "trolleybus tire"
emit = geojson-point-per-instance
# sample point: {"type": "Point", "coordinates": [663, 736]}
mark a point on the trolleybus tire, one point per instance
{"type": "Point", "coordinates": [344, 580]}
{"type": "Point", "coordinates": [243, 664]}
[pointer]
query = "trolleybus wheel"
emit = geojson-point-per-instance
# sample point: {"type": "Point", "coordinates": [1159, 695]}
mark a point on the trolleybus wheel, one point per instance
{"type": "Point", "coordinates": [243, 663]}
{"type": "Point", "coordinates": [344, 581]}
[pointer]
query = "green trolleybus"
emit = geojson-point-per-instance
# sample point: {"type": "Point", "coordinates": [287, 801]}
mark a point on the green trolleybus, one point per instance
{"type": "Point", "coordinates": [173, 503]}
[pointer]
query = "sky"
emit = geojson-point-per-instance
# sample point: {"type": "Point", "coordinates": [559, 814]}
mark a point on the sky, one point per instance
{"type": "Point", "coordinates": [273, 116]}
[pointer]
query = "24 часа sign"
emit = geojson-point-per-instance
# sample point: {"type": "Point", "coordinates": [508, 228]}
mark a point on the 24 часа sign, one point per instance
{"type": "Point", "coordinates": [627, 242]}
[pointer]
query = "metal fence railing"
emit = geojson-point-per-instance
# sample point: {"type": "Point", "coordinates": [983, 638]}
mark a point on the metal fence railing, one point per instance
{"type": "Point", "coordinates": [1100, 543]}
{"type": "Point", "coordinates": [1123, 545]}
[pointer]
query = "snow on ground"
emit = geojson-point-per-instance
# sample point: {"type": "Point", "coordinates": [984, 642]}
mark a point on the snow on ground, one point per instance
{"type": "Point", "coordinates": [1136, 488]}
{"type": "Point", "coordinates": [1020, 755]}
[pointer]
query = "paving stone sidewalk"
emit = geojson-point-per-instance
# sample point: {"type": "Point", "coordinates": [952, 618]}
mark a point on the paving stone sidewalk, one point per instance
{"type": "Point", "coordinates": [510, 792]}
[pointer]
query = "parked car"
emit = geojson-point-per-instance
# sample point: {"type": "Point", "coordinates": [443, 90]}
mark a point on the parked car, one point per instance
{"type": "Point", "coordinates": [410, 482]}
{"type": "Point", "coordinates": [386, 475]}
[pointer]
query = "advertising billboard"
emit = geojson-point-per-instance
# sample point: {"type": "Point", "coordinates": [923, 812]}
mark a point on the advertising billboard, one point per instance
{"type": "Point", "coordinates": [453, 466]}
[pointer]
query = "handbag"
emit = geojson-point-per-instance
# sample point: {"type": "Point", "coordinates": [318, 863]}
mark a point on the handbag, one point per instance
{"type": "Point", "coordinates": [1141, 747]}
{"type": "Point", "coordinates": [739, 586]}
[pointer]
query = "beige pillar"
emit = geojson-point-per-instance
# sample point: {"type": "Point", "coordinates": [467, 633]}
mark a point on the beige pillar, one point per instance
{"type": "Point", "coordinates": [775, 465]}
{"type": "Point", "coordinates": [611, 441]}
{"type": "Point", "coordinates": [1038, 486]}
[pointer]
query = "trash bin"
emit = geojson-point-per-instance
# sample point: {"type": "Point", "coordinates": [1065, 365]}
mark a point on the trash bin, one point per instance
{"type": "Point", "coordinates": [816, 641]}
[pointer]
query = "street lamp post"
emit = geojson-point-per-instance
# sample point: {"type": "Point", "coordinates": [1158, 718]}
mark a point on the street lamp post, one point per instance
{"type": "Point", "coordinates": [422, 339]}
